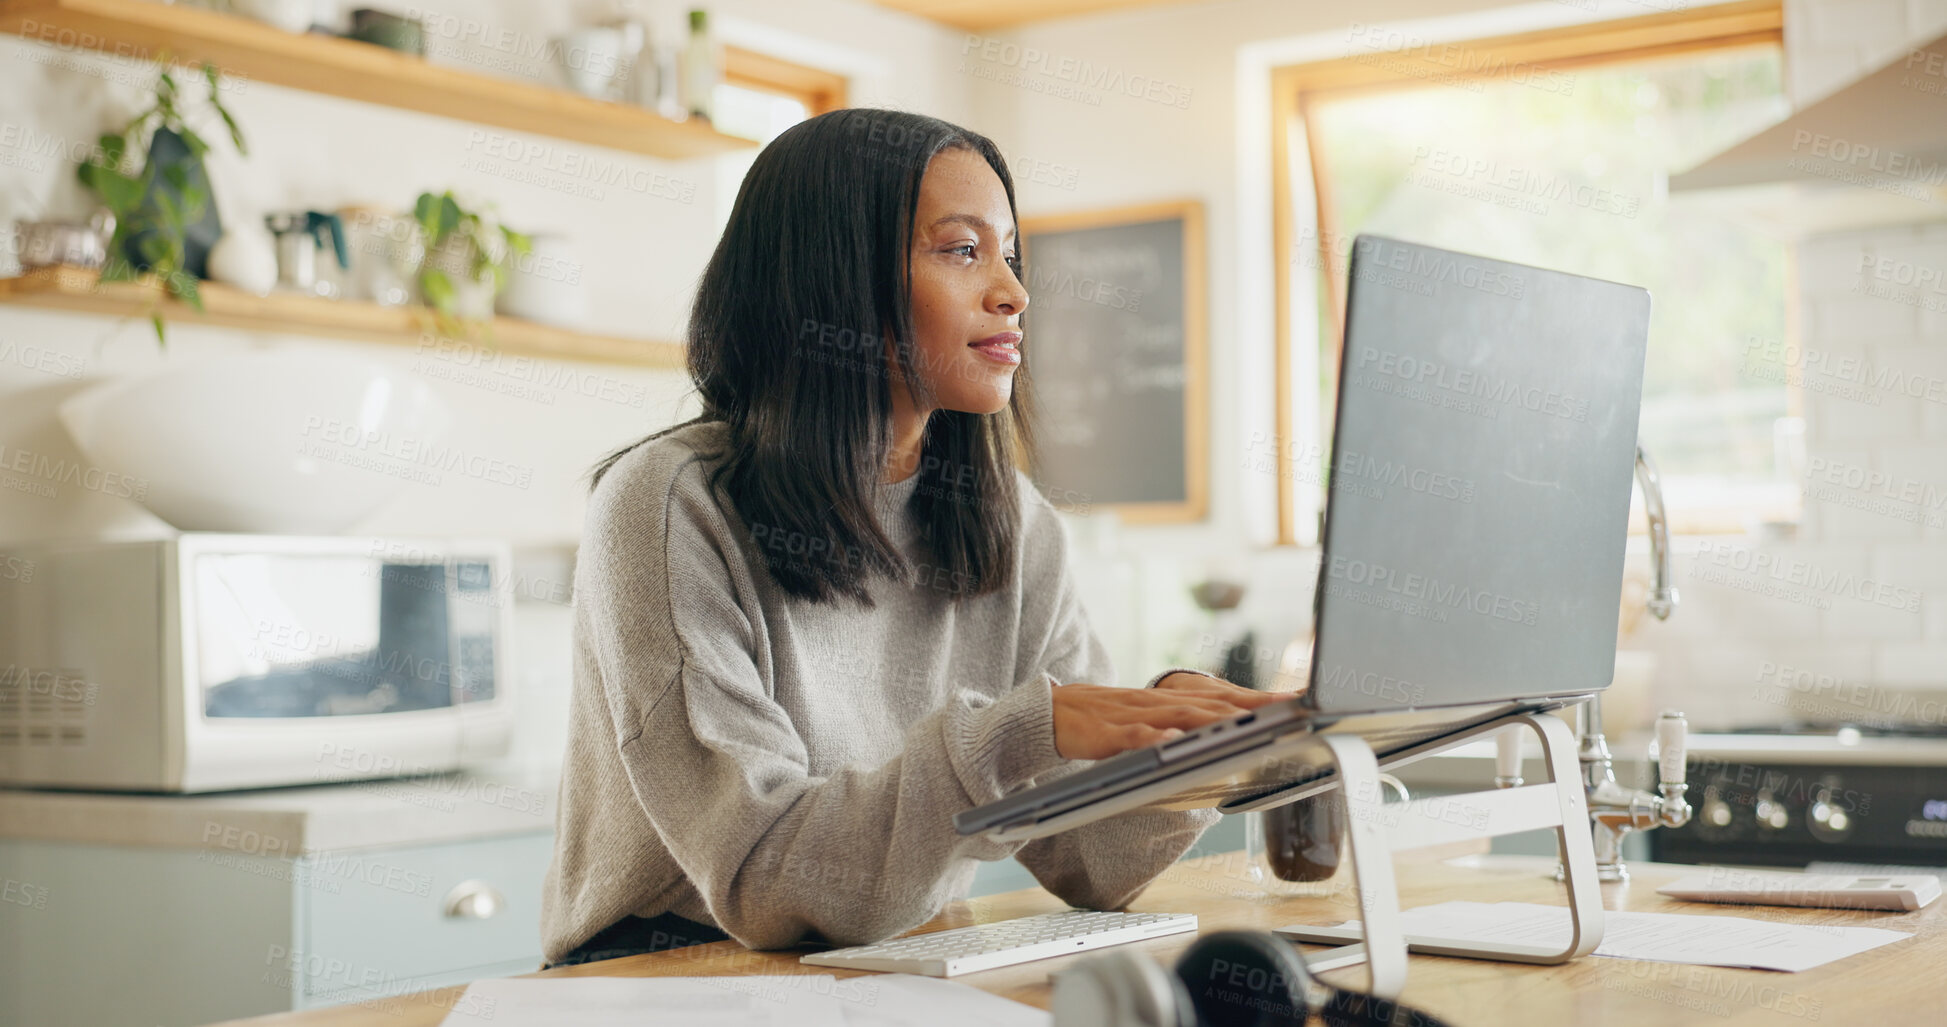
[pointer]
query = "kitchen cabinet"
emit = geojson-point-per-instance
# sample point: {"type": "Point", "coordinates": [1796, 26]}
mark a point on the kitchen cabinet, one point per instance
{"type": "Point", "coordinates": [222, 906]}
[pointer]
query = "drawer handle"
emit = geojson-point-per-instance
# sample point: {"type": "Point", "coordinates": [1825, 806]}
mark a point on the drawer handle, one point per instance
{"type": "Point", "coordinates": [473, 900]}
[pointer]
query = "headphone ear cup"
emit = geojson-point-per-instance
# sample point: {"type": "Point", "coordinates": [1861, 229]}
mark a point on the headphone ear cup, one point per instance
{"type": "Point", "coordinates": [1244, 979]}
{"type": "Point", "coordinates": [1120, 989]}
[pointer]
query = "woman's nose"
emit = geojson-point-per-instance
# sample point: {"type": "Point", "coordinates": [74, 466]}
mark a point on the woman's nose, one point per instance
{"type": "Point", "coordinates": [1008, 294]}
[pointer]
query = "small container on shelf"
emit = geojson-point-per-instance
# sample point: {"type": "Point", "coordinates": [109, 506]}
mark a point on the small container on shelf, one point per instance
{"type": "Point", "coordinates": [702, 64]}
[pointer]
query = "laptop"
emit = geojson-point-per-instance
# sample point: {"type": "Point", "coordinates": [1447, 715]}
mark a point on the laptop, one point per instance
{"type": "Point", "coordinates": [1482, 457]}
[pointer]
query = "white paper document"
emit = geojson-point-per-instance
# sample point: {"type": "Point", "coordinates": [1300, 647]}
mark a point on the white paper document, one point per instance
{"type": "Point", "coordinates": [908, 1000]}
{"type": "Point", "coordinates": [1660, 937]}
{"type": "Point", "coordinates": [798, 1000]}
{"type": "Point", "coordinates": [811, 1000]}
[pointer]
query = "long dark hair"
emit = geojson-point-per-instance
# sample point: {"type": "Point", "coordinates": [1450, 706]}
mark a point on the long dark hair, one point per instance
{"type": "Point", "coordinates": [806, 291]}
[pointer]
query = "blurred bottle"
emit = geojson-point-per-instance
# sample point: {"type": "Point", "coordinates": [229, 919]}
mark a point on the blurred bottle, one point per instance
{"type": "Point", "coordinates": [702, 68]}
{"type": "Point", "coordinates": [640, 80]}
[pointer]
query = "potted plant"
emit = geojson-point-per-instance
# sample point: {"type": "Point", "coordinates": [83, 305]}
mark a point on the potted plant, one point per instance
{"type": "Point", "coordinates": [165, 221]}
{"type": "Point", "coordinates": [468, 257]}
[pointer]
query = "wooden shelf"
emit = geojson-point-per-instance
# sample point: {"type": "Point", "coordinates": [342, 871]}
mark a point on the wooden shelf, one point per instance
{"type": "Point", "coordinates": [355, 71]}
{"type": "Point", "coordinates": [80, 291]}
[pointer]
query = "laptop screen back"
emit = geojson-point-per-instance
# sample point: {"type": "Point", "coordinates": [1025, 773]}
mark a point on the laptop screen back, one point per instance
{"type": "Point", "coordinates": [1479, 483]}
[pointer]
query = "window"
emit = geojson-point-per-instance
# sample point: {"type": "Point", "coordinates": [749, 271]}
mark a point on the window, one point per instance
{"type": "Point", "coordinates": [1553, 150]}
{"type": "Point", "coordinates": [761, 96]}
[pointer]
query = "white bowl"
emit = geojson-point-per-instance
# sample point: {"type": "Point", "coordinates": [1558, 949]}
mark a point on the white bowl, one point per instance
{"type": "Point", "coordinates": [278, 442]}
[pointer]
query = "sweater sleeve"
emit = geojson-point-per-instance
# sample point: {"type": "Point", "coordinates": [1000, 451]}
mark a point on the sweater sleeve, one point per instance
{"type": "Point", "coordinates": [720, 771]}
{"type": "Point", "coordinates": [1106, 864]}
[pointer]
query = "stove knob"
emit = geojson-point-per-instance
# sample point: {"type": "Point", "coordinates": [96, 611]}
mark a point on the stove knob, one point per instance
{"type": "Point", "coordinates": [1715, 819]}
{"type": "Point", "coordinates": [1716, 812]}
{"type": "Point", "coordinates": [1771, 813]}
{"type": "Point", "coordinates": [1827, 821]}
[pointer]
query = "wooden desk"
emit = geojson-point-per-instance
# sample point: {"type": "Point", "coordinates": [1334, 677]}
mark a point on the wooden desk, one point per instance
{"type": "Point", "coordinates": [1897, 984]}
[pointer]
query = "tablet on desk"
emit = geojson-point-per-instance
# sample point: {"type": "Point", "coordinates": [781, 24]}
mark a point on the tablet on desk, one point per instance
{"type": "Point", "coordinates": [1482, 457]}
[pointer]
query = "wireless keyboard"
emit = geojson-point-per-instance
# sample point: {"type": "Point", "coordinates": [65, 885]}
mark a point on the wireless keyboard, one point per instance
{"type": "Point", "coordinates": [986, 946]}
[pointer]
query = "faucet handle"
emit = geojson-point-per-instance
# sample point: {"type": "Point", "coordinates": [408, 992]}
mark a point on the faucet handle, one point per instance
{"type": "Point", "coordinates": [1672, 732]}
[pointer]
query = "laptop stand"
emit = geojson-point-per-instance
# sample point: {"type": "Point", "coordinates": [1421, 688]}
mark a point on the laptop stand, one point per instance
{"type": "Point", "coordinates": [1374, 831]}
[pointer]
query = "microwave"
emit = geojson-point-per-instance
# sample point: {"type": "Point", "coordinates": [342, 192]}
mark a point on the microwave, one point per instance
{"type": "Point", "coordinates": [208, 662]}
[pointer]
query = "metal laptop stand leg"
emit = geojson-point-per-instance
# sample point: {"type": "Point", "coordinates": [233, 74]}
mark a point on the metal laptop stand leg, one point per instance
{"type": "Point", "coordinates": [1375, 831]}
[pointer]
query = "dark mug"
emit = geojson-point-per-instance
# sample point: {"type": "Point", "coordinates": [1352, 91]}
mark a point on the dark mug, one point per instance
{"type": "Point", "coordinates": [1299, 848]}
{"type": "Point", "coordinates": [1304, 840]}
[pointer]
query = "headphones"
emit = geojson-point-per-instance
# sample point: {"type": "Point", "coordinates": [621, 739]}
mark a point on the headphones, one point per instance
{"type": "Point", "coordinates": [1225, 979]}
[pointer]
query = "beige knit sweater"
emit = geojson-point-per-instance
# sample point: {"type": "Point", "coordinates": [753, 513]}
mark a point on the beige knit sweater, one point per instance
{"type": "Point", "coordinates": [786, 770]}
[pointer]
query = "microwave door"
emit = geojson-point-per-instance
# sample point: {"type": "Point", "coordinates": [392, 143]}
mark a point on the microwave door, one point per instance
{"type": "Point", "coordinates": [320, 635]}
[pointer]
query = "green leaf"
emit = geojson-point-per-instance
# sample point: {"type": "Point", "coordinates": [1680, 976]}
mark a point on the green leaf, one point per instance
{"type": "Point", "coordinates": [435, 216]}
{"type": "Point", "coordinates": [450, 212]}
{"type": "Point", "coordinates": [236, 134]}
{"type": "Point", "coordinates": [197, 147]}
{"type": "Point", "coordinates": [113, 148]}
{"type": "Point", "coordinates": [438, 289]}
{"type": "Point", "coordinates": [184, 286]}
{"type": "Point", "coordinates": [118, 192]}
{"type": "Point", "coordinates": [161, 339]}
{"type": "Point", "coordinates": [520, 242]}
{"type": "Point", "coordinates": [195, 202]}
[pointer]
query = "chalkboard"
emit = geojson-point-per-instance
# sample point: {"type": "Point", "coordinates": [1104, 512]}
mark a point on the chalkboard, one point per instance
{"type": "Point", "coordinates": [1116, 353]}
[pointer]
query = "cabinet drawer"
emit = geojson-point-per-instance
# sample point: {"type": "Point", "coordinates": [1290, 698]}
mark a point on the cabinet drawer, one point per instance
{"type": "Point", "coordinates": [378, 919]}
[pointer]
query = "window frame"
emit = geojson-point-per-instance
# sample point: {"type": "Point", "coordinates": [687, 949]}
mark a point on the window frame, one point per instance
{"type": "Point", "coordinates": [819, 90]}
{"type": "Point", "coordinates": [1297, 88]}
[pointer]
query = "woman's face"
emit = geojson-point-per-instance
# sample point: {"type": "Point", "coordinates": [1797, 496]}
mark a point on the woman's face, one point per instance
{"type": "Point", "coordinates": [966, 298]}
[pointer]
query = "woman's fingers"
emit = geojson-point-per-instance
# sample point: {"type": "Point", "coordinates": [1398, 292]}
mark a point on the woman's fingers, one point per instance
{"type": "Point", "coordinates": [1142, 736]}
{"type": "Point", "coordinates": [1095, 721]}
{"type": "Point", "coordinates": [1217, 708]}
{"type": "Point", "coordinates": [1187, 715]}
{"type": "Point", "coordinates": [1199, 684]}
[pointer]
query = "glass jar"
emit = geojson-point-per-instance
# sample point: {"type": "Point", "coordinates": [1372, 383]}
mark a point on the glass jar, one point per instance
{"type": "Point", "coordinates": [1299, 848]}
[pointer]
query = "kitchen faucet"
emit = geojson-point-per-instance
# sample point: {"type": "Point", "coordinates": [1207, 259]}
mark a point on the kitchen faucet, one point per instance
{"type": "Point", "coordinates": [1614, 810]}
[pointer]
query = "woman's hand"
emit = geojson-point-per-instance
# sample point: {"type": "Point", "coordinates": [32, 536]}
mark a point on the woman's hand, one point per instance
{"type": "Point", "coordinates": [1096, 721]}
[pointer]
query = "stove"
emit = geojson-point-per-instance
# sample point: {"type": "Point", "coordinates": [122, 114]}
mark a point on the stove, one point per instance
{"type": "Point", "coordinates": [1803, 793]}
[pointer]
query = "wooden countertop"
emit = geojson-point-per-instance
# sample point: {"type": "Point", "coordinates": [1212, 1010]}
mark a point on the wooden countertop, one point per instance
{"type": "Point", "coordinates": [1893, 984]}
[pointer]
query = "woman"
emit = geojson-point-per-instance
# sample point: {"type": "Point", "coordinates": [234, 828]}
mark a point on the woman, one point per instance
{"type": "Point", "coordinates": [828, 614]}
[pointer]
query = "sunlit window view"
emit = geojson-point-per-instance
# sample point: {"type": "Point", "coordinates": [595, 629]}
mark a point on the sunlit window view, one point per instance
{"type": "Point", "coordinates": [1568, 172]}
{"type": "Point", "coordinates": [755, 113]}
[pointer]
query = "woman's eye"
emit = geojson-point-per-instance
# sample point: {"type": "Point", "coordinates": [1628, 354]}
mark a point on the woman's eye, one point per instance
{"type": "Point", "coordinates": [965, 249]}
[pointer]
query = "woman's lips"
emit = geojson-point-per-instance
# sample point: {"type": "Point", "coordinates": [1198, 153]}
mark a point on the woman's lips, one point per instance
{"type": "Point", "coordinates": [1001, 347]}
